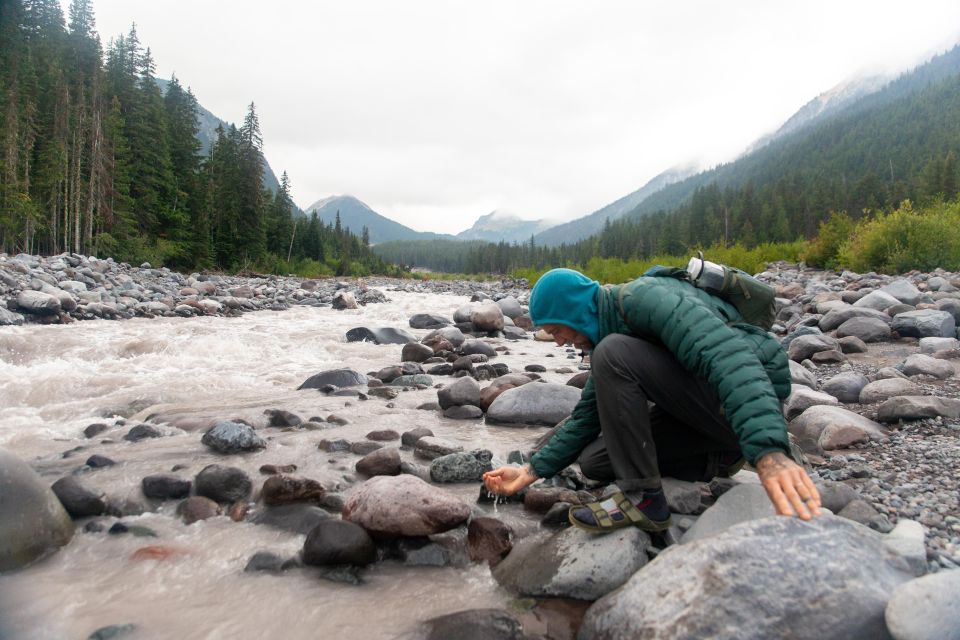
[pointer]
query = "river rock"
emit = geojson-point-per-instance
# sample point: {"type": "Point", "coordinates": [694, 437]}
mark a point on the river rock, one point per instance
{"type": "Point", "coordinates": [382, 462]}
{"type": "Point", "coordinates": [338, 542]}
{"type": "Point", "coordinates": [867, 329]}
{"type": "Point", "coordinates": [682, 496]}
{"type": "Point", "coordinates": [297, 517]}
{"type": "Point", "coordinates": [223, 484]}
{"type": "Point", "coordinates": [142, 432]}
{"type": "Point", "coordinates": [879, 300]}
{"type": "Point", "coordinates": [932, 345]}
{"type": "Point", "coordinates": [846, 387]}
{"type": "Point", "coordinates": [824, 428]}
{"type": "Point", "coordinates": [918, 407]}
{"type": "Point", "coordinates": [38, 303]}
{"type": "Point", "coordinates": [344, 300]}
{"type": "Point", "coordinates": [852, 344]}
{"type": "Point", "coordinates": [573, 563]}
{"type": "Point", "coordinates": [906, 540]}
{"type": "Point", "coordinates": [77, 499]}
{"type": "Point", "coordinates": [410, 438]}
{"type": "Point", "coordinates": [9, 318]}
{"type": "Point", "coordinates": [97, 461]}
{"type": "Point", "coordinates": [487, 317]}
{"type": "Point", "coordinates": [473, 624]}
{"type": "Point", "coordinates": [919, 364]}
{"type": "Point", "coordinates": [461, 467]}
{"type": "Point", "coordinates": [379, 335]}
{"type": "Point", "coordinates": [403, 506]}
{"type": "Point", "coordinates": [232, 437]}
{"type": "Point", "coordinates": [335, 377]}
{"type": "Point", "coordinates": [802, 398]}
{"type": "Point", "coordinates": [926, 323]}
{"type": "Point", "coordinates": [463, 391]}
{"type": "Point", "coordinates": [490, 393]}
{"type": "Point", "coordinates": [880, 390]}
{"type": "Point", "coordinates": [451, 335]}
{"type": "Point", "coordinates": [798, 375]}
{"type": "Point", "coordinates": [541, 498]}
{"type": "Point", "coordinates": [904, 291]}
{"type": "Point", "coordinates": [33, 521]}
{"type": "Point", "coordinates": [465, 412]}
{"type": "Point", "coordinates": [281, 418]}
{"type": "Point", "coordinates": [164, 486]}
{"type": "Point", "coordinates": [489, 540]}
{"type": "Point", "coordinates": [477, 347]}
{"type": "Point", "coordinates": [427, 321]}
{"type": "Point", "coordinates": [510, 306]}
{"type": "Point", "coordinates": [804, 347]}
{"type": "Point", "coordinates": [834, 496]}
{"type": "Point", "coordinates": [283, 489]}
{"type": "Point", "coordinates": [534, 404]}
{"type": "Point", "coordinates": [927, 608]}
{"type": "Point", "coordinates": [429, 447]}
{"type": "Point", "coordinates": [837, 317]}
{"type": "Point", "coordinates": [415, 352]}
{"type": "Point", "coordinates": [196, 508]}
{"type": "Point", "coordinates": [742, 503]}
{"type": "Point", "coordinates": [743, 584]}
{"type": "Point", "coordinates": [863, 512]}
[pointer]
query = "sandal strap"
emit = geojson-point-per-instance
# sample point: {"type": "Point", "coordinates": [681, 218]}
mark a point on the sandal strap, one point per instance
{"type": "Point", "coordinates": [630, 510]}
{"type": "Point", "coordinates": [600, 513]}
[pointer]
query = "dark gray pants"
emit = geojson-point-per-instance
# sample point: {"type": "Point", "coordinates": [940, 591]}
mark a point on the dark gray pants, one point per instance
{"type": "Point", "coordinates": [683, 435]}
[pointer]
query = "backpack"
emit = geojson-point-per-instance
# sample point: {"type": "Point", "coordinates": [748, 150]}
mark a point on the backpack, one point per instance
{"type": "Point", "coordinates": [754, 300]}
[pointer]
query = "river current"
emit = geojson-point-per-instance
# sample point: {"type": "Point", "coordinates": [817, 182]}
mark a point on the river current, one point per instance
{"type": "Point", "coordinates": [186, 374]}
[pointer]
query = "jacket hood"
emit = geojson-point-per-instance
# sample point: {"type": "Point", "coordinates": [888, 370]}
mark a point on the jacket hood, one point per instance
{"type": "Point", "coordinates": [567, 297]}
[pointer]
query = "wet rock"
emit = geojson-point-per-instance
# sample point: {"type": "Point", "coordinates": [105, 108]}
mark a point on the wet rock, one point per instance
{"type": "Point", "coordinates": [573, 563]}
{"type": "Point", "coordinates": [332, 446]}
{"type": "Point", "coordinates": [97, 461]}
{"type": "Point", "coordinates": [10, 319]}
{"type": "Point", "coordinates": [917, 407]}
{"type": "Point", "coordinates": [387, 393]}
{"type": "Point", "coordinates": [232, 437]}
{"type": "Point", "coordinates": [540, 499]}
{"type": "Point", "coordinates": [466, 412]}
{"type": "Point", "coordinates": [800, 375]}
{"type": "Point", "coordinates": [164, 486]}
{"type": "Point", "coordinates": [223, 484]}
{"type": "Point", "coordinates": [335, 377]}
{"type": "Point", "coordinates": [451, 335]}
{"type": "Point", "coordinates": [880, 390]}
{"type": "Point", "coordinates": [93, 430]}
{"type": "Point", "coordinates": [919, 364]}
{"type": "Point", "coordinates": [463, 391]}
{"type": "Point", "coordinates": [410, 438]}
{"type": "Point", "coordinates": [337, 420]}
{"type": "Point", "coordinates": [379, 335]}
{"type": "Point", "coordinates": [403, 506]}
{"type": "Point", "coordinates": [298, 517]}
{"type": "Point", "coordinates": [281, 418]}
{"type": "Point", "coordinates": [802, 398]}
{"type": "Point", "coordinates": [365, 447]}
{"type": "Point", "coordinates": [534, 404]}
{"type": "Point", "coordinates": [805, 346]}
{"type": "Point", "coordinates": [383, 435]}
{"type": "Point", "coordinates": [281, 489]}
{"type": "Point", "coordinates": [113, 632]}
{"type": "Point", "coordinates": [344, 300]}
{"type": "Point", "coordinates": [413, 381]}
{"type": "Point", "coordinates": [77, 499]}
{"type": "Point", "coordinates": [382, 462]}
{"type": "Point", "coordinates": [489, 540]}
{"type": "Point", "coordinates": [510, 306]}
{"type": "Point", "coordinates": [33, 521]}
{"type": "Point", "coordinates": [264, 561]}
{"type": "Point", "coordinates": [863, 512]}
{"type": "Point", "coordinates": [429, 447]}
{"type": "Point", "coordinates": [142, 432]}
{"type": "Point", "coordinates": [338, 542]}
{"type": "Point", "coordinates": [760, 566]}
{"type": "Point", "coordinates": [580, 380]}
{"type": "Point", "coordinates": [138, 531]}
{"type": "Point", "coordinates": [477, 347]}
{"type": "Point", "coordinates": [926, 323]}
{"type": "Point", "coordinates": [846, 387]}
{"type": "Point", "coordinates": [867, 329]}
{"type": "Point", "coordinates": [415, 352]}
{"type": "Point", "coordinates": [427, 321]}
{"type": "Point", "coordinates": [196, 508]}
{"type": "Point", "coordinates": [927, 608]}
{"type": "Point", "coordinates": [274, 469]}
{"type": "Point", "coordinates": [461, 467]}
{"type": "Point", "coordinates": [487, 317]}
{"type": "Point", "coordinates": [473, 624]}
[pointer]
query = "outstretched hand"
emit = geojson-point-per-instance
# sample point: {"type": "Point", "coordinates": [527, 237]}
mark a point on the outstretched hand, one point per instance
{"type": "Point", "coordinates": [506, 481]}
{"type": "Point", "coordinates": [788, 486]}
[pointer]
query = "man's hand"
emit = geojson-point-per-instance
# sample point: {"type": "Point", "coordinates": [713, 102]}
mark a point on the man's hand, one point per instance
{"type": "Point", "coordinates": [506, 481]}
{"type": "Point", "coordinates": [789, 487]}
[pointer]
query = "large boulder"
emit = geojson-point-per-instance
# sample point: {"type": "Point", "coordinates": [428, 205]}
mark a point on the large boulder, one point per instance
{"type": "Point", "coordinates": [802, 398]}
{"type": "Point", "coordinates": [918, 407]}
{"type": "Point", "coordinates": [466, 390]}
{"type": "Point", "coordinates": [846, 386]}
{"type": "Point", "coordinates": [38, 303]}
{"type": "Point", "coordinates": [772, 578]}
{"type": "Point", "coordinates": [879, 300]}
{"type": "Point", "coordinates": [742, 503]}
{"type": "Point", "coordinates": [573, 563]}
{"type": "Point", "coordinates": [379, 335]}
{"type": "Point", "coordinates": [510, 307]}
{"type": "Point", "coordinates": [534, 404]}
{"type": "Point", "coordinates": [867, 329]}
{"type": "Point", "coordinates": [405, 505]}
{"type": "Point", "coordinates": [920, 364]}
{"type": "Point", "coordinates": [823, 428]}
{"type": "Point", "coordinates": [487, 317]}
{"type": "Point", "coordinates": [927, 608]}
{"type": "Point", "coordinates": [232, 437]}
{"type": "Point", "coordinates": [925, 323]}
{"type": "Point", "coordinates": [799, 374]}
{"type": "Point", "coordinates": [222, 484]}
{"type": "Point", "coordinates": [336, 378]}
{"type": "Point", "coordinates": [904, 291]}
{"type": "Point", "coordinates": [33, 522]}
{"type": "Point", "coordinates": [838, 316]}
{"type": "Point", "coordinates": [880, 390]}
{"type": "Point", "coordinates": [805, 347]}
{"type": "Point", "coordinates": [337, 542]}
{"type": "Point", "coordinates": [79, 500]}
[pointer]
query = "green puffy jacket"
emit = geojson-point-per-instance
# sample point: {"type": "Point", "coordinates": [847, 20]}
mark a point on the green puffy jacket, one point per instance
{"type": "Point", "coordinates": [745, 365]}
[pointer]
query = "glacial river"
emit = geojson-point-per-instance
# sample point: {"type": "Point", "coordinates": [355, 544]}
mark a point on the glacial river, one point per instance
{"type": "Point", "coordinates": [186, 374]}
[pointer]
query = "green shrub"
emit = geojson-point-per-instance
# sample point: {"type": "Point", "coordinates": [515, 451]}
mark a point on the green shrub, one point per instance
{"type": "Point", "coordinates": [824, 250]}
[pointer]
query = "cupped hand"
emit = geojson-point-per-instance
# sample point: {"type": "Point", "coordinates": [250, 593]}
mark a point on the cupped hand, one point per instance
{"type": "Point", "coordinates": [506, 481]}
{"type": "Point", "coordinates": [788, 486]}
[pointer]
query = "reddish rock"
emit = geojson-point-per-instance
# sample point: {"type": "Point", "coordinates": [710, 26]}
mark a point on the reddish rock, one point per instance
{"type": "Point", "coordinates": [158, 552]}
{"type": "Point", "coordinates": [489, 540]}
{"type": "Point", "coordinates": [383, 435]}
{"type": "Point", "coordinates": [389, 506]}
{"type": "Point", "coordinates": [238, 510]}
{"type": "Point", "coordinates": [382, 462]}
{"type": "Point", "coordinates": [287, 489]}
{"type": "Point", "coordinates": [276, 469]}
{"type": "Point", "coordinates": [197, 508]}
{"type": "Point", "coordinates": [540, 500]}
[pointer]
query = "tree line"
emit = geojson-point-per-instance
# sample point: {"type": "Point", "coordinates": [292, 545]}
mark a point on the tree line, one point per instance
{"type": "Point", "coordinates": [96, 159]}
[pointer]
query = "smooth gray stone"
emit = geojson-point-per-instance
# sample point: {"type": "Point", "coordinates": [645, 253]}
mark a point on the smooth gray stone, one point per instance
{"type": "Point", "coordinates": [510, 306]}
{"type": "Point", "coordinates": [906, 540]}
{"type": "Point", "coordinates": [867, 329]}
{"type": "Point", "coordinates": [800, 375]}
{"type": "Point", "coordinates": [834, 496]}
{"type": "Point", "coordinates": [463, 391]}
{"type": "Point", "coordinates": [804, 347]}
{"type": "Point", "coordinates": [742, 503]}
{"type": "Point", "coordinates": [824, 428]}
{"type": "Point", "coordinates": [412, 380]}
{"type": "Point", "coordinates": [927, 608]}
{"type": "Point", "coordinates": [338, 542]}
{"type": "Point", "coordinates": [802, 398]}
{"type": "Point", "coordinates": [879, 300]}
{"type": "Point", "coordinates": [297, 517]}
{"type": "Point", "coordinates": [429, 447]}
{"type": "Point", "coordinates": [846, 387]}
{"type": "Point", "coordinates": [534, 404]}
{"type": "Point", "coordinates": [925, 323]}
{"type": "Point", "coordinates": [864, 513]}
{"type": "Point", "coordinates": [335, 377]}
{"type": "Point", "coordinates": [463, 412]}
{"type": "Point", "coordinates": [33, 521]}
{"type": "Point", "coordinates": [473, 624]}
{"type": "Point", "coordinates": [852, 344]}
{"type": "Point", "coordinates": [452, 335]}
{"type": "Point", "coordinates": [837, 317]}
{"type": "Point", "coordinates": [379, 335]}
{"type": "Point", "coordinates": [798, 332]}
{"type": "Point", "coordinates": [472, 347]}
{"type": "Point", "coordinates": [77, 499]}
{"type": "Point", "coordinates": [743, 584]}
{"type": "Point", "coordinates": [487, 317]}
{"type": "Point", "coordinates": [573, 563]}
{"type": "Point", "coordinates": [222, 484]}
{"type": "Point", "coordinates": [917, 407]}
{"type": "Point", "coordinates": [9, 318]}
{"type": "Point", "coordinates": [904, 291]}
{"type": "Point", "coordinates": [467, 466]}
{"type": "Point", "coordinates": [682, 497]}
{"type": "Point", "coordinates": [880, 390]}
{"type": "Point", "coordinates": [932, 345]}
{"type": "Point", "coordinates": [232, 437]}
{"type": "Point", "coordinates": [427, 321]}
{"type": "Point", "coordinates": [919, 364]}
{"type": "Point", "coordinates": [415, 352]}
{"type": "Point", "coordinates": [39, 303]}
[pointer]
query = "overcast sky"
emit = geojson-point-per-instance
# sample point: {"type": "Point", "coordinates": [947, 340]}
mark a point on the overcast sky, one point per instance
{"type": "Point", "coordinates": [437, 112]}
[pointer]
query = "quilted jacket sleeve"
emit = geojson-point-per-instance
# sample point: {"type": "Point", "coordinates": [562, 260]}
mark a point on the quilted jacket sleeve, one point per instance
{"type": "Point", "coordinates": [580, 429]}
{"type": "Point", "coordinates": [721, 355]}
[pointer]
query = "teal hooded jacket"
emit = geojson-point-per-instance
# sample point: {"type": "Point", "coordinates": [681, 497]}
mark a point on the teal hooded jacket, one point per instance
{"type": "Point", "coordinates": [743, 363]}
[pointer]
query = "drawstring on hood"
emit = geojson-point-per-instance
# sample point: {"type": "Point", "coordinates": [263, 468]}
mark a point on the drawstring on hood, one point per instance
{"type": "Point", "coordinates": [567, 297]}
